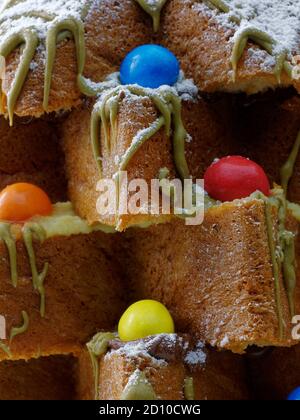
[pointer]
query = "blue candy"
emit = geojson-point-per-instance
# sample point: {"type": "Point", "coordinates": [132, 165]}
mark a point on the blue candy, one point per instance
{"type": "Point", "coordinates": [295, 395]}
{"type": "Point", "coordinates": [149, 66]}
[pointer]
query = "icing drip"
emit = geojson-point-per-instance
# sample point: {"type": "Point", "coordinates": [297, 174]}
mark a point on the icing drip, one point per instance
{"type": "Point", "coordinates": [287, 246]}
{"type": "Point", "coordinates": [138, 388]}
{"type": "Point", "coordinates": [265, 41]}
{"type": "Point", "coordinates": [286, 237]}
{"type": "Point", "coordinates": [5, 348]}
{"type": "Point", "coordinates": [189, 393]}
{"type": "Point", "coordinates": [96, 348]}
{"type": "Point", "coordinates": [289, 273]}
{"type": "Point", "coordinates": [283, 257]}
{"type": "Point", "coordinates": [153, 8]}
{"type": "Point", "coordinates": [20, 330]}
{"type": "Point", "coordinates": [6, 237]}
{"type": "Point", "coordinates": [30, 41]}
{"type": "Point", "coordinates": [219, 4]}
{"type": "Point", "coordinates": [282, 250]}
{"type": "Point", "coordinates": [30, 232]}
{"type": "Point", "coordinates": [28, 24]}
{"type": "Point", "coordinates": [287, 169]}
{"type": "Point", "coordinates": [66, 26]}
{"type": "Point", "coordinates": [168, 104]}
{"type": "Point", "coordinates": [256, 35]}
{"type": "Point", "coordinates": [14, 332]}
{"type": "Point", "coordinates": [276, 265]}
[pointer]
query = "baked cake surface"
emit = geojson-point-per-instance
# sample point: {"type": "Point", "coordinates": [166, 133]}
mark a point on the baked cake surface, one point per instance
{"type": "Point", "coordinates": [209, 48]}
{"type": "Point", "coordinates": [166, 367]}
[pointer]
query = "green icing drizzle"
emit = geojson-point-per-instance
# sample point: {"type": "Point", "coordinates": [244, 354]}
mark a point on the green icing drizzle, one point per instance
{"type": "Point", "coordinates": [286, 237]}
{"type": "Point", "coordinates": [163, 173]}
{"type": "Point", "coordinates": [289, 272]}
{"type": "Point", "coordinates": [5, 348]}
{"type": "Point", "coordinates": [188, 386]}
{"type": "Point", "coordinates": [6, 237]}
{"type": "Point", "coordinates": [259, 37]}
{"type": "Point", "coordinates": [265, 41]}
{"type": "Point", "coordinates": [96, 348]}
{"type": "Point", "coordinates": [57, 29]}
{"type": "Point", "coordinates": [30, 40]}
{"type": "Point", "coordinates": [294, 209]}
{"type": "Point", "coordinates": [14, 332]}
{"type": "Point", "coordinates": [219, 4]}
{"type": "Point", "coordinates": [22, 329]}
{"type": "Point", "coordinates": [138, 388]}
{"type": "Point", "coordinates": [275, 265]}
{"type": "Point", "coordinates": [65, 26]}
{"type": "Point", "coordinates": [287, 169]}
{"type": "Point", "coordinates": [153, 8]}
{"type": "Point", "coordinates": [31, 231]}
{"type": "Point", "coordinates": [283, 257]}
{"type": "Point", "coordinates": [168, 104]}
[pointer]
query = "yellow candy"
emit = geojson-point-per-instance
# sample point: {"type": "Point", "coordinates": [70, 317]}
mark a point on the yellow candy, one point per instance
{"type": "Point", "coordinates": [144, 318]}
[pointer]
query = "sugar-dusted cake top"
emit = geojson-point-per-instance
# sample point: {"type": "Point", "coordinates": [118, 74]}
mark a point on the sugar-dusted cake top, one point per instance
{"type": "Point", "coordinates": [161, 349]}
{"type": "Point", "coordinates": [279, 18]}
{"type": "Point", "coordinates": [39, 14]}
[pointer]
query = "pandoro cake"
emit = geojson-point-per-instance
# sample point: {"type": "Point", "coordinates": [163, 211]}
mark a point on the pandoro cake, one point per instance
{"type": "Point", "coordinates": [160, 367]}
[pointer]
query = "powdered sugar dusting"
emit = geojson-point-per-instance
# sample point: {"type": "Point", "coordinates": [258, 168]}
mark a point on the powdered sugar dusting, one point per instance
{"type": "Point", "coordinates": [154, 4]}
{"type": "Point", "coordinates": [134, 378]}
{"type": "Point", "coordinates": [139, 349]}
{"type": "Point", "coordinates": [279, 18]}
{"type": "Point", "coordinates": [170, 342]}
{"type": "Point", "coordinates": [186, 88]}
{"type": "Point", "coordinates": [197, 356]}
{"type": "Point", "coordinates": [38, 15]}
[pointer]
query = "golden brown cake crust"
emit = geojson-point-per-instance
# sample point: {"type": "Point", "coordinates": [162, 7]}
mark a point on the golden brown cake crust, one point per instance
{"type": "Point", "coordinates": [84, 175]}
{"type": "Point", "coordinates": [204, 51]}
{"type": "Point", "coordinates": [112, 30]}
{"type": "Point", "coordinates": [264, 131]}
{"type": "Point", "coordinates": [209, 125]}
{"type": "Point", "coordinates": [84, 293]}
{"type": "Point", "coordinates": [216, 376]}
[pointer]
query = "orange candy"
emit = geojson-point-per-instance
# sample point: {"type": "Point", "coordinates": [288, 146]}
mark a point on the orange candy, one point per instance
{"type": "Point", "coordinates": [20, 202]}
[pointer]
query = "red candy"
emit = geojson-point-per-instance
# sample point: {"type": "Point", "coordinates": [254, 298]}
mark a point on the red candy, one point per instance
{"type": "Point", "coordinates": [234, 177]}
